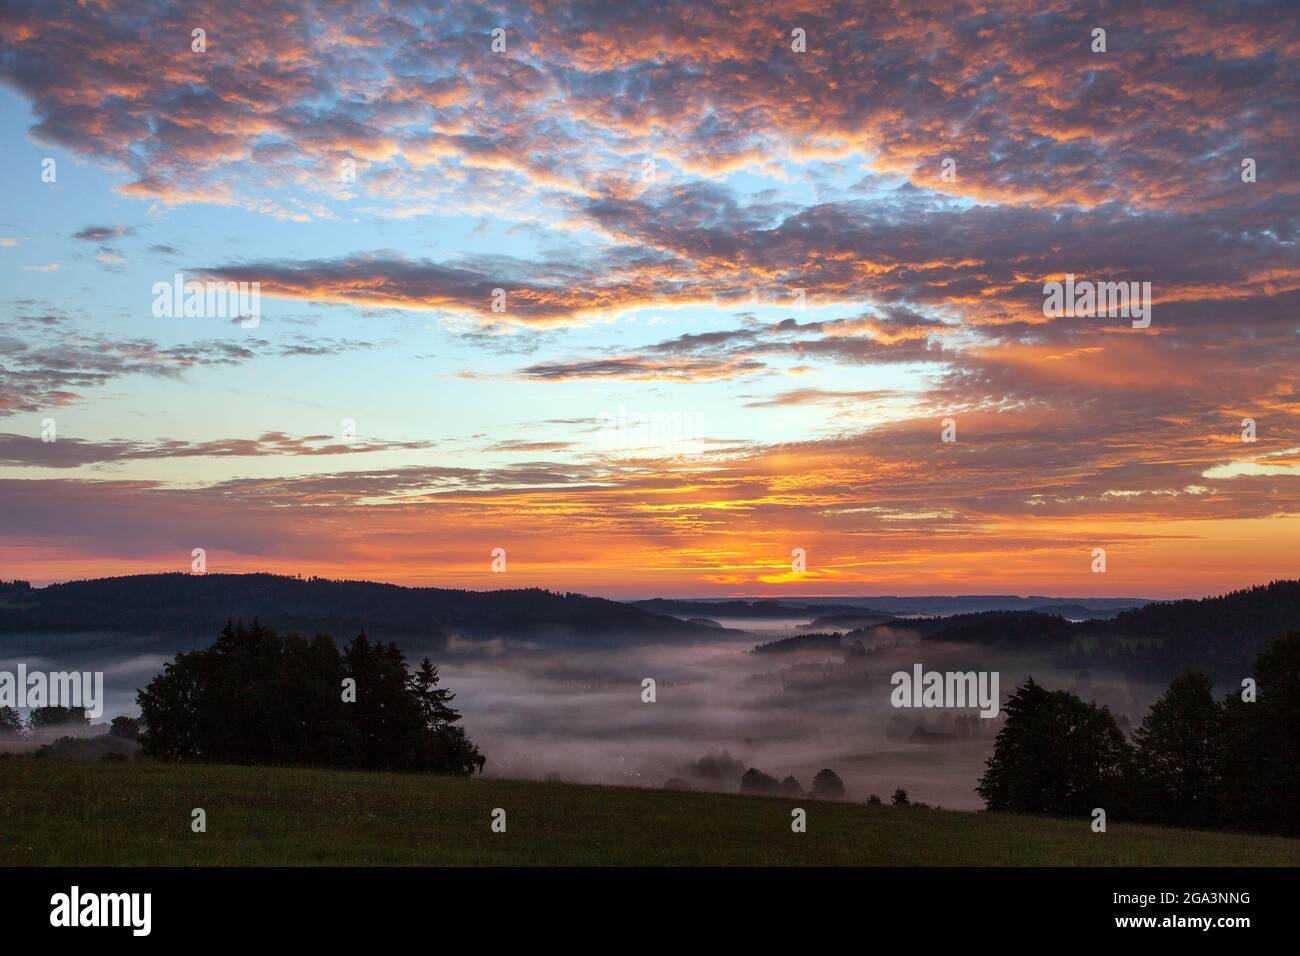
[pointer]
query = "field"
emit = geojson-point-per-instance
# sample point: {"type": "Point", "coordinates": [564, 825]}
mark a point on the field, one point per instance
{"type": "Point", "coordinates": [55, 813]}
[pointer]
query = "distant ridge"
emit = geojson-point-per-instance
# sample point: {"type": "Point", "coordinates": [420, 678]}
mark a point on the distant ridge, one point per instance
{"type": "Point", "coordinates": [782, 608]}
{"type": "Point", "coordinates": [886, 605]}
{"type": "Point", "coordinates": [190, 604]}
{"type": "Point", "coordinates": [1220, 635]}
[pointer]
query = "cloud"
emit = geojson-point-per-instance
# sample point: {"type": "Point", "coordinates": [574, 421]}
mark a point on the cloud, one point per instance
{"type": "Point", "coordinates": [518, 445]}
{"type": "Point", "coordinates": [23, 450]}
{"type": "Point", "coordinates": [59, 371]}
{"type": "Point", "coordinates": [101, 233]}
{"type": "Point", "coordinates": [1013, 92]}
{"type": "Point", "coordinates": [802, 190]}
{"type": "Point", "coordinates": [641, 369]}
{"type": "Point", "coordinates": [817, 396]}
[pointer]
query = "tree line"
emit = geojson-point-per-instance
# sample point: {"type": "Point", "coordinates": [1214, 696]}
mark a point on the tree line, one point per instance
{"type": "Point", "coordinates": [255, 697]}
{"type": "Point", "coordinates": [182, 603]}
{"type": "Point", "coordinates": [41, 718]}
{"type": "Point", "coordinates": [1196, 761]}
{"type": "Point", "coordinates": [1219, 636]}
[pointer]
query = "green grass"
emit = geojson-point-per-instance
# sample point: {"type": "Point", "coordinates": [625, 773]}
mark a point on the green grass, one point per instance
{"type": "Point", "coordinates": [139, 814]}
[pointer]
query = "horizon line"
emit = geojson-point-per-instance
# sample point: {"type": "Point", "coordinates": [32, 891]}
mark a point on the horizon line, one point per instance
{"type": "Point", "coordinates": [628, 600]}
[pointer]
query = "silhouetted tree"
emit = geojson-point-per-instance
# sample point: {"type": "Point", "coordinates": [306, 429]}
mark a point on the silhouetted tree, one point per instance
{"type": "Point", "coordinates": [1260, 770]}
{"type": "Point", "coordinates": [1056, 754]}
{"type": "Point", "coordinates": [126, 727]}
{"type": "Point", "coordinates": [755, 781]}
{"type": "Point", "coordinates": [900, 798]}
{"type": "Point", "coordinates": [827, 785]}
{"type": "Point", "coordinates": [718, 769]}
{"type": "Point", "coordinates": [254, 697]}
{"type": "Point", "coordinates": [873, 800]}
{"type": "Point", "coordinates": [11, 722]}
{"type": "Point", "coordinates": [435, 701]}
{"type": "Point", "coordinates": [790, 787]}
{"type": "Point", "coordinates": [57, 717]}
{"type": "Point", "coordinates": [1178, 754]}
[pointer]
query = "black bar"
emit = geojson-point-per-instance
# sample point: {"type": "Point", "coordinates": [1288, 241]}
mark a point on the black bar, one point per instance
{"type": "Point", "coordinates": [328, 906]}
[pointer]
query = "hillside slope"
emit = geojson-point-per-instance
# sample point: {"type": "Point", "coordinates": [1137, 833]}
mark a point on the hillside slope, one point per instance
{"type": "Point", "coordinates": [139, 814]}
{"type": "Point", "coordinates": [1219, 635]}
{"type": "Point", "coordinates": [189, 603]}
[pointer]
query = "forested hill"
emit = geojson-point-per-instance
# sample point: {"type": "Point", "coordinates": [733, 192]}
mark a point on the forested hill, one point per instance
{"type": "Point", "coordinates": [1264, 609]}
{"type": "Point", "coordinates": [187, 603]}
{"type": "Point", "coordinates": [1220, 635]}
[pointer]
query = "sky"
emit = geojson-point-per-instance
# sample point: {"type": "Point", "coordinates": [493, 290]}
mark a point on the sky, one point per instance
{"type": "Point", "coordinates": [648, 296]}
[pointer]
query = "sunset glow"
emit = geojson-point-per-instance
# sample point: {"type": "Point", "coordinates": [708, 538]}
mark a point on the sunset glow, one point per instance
{"type": "Point", "coordinates": [739, 299]}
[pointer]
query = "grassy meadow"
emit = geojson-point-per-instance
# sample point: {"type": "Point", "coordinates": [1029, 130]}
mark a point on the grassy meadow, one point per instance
{"type": "Point", "coordinates": [56, 813]}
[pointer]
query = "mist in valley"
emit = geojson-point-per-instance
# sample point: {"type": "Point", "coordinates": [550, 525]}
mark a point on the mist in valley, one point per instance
{"type": "Point", "coordinates": [578, 715]}
{"type": "Point", "coordinates": [720, 709]}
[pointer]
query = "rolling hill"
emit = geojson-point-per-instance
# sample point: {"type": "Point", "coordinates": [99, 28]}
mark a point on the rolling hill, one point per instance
{"type": "Point", "coordinates": [1219, 635]}
{"type": "Point", "coordinates": [187, 604]}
